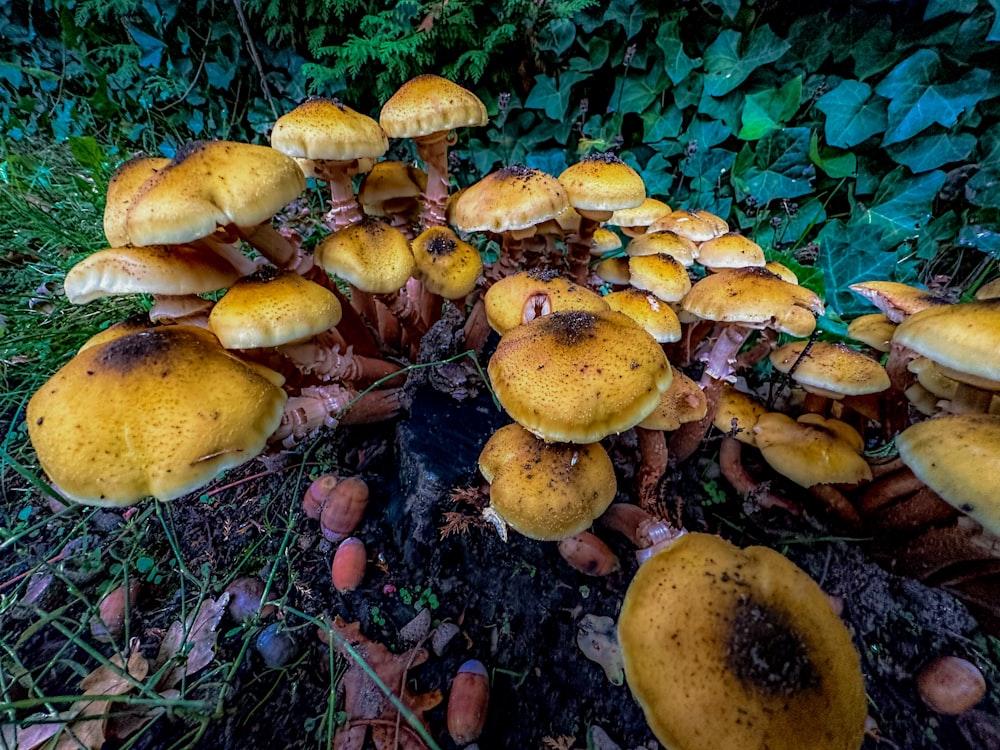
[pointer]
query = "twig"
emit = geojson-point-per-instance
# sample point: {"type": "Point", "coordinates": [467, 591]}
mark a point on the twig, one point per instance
{"type": "Point", "coordinates": [245, 27]}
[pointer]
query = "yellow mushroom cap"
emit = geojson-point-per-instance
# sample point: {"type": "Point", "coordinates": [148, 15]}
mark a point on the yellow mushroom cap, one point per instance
{"type": "Point", "coordinates": [681, 403]}
{"type": "Point", "coordinates": [957, 456]}
{"type": "Point", "coordinates": [897, 300]}
{"type": "Point", "coordinates": [664, 242]}
{"type": "Point", "coordinates": [515, 197]}
{"type": "Point", "coordinates": [697, 226]}
{"type": "Point", "coordinates": [602, 182]}
{"type": "Point", "coordinates": [963, 339]}
{"type": "Point", "coordinates": [271, 308]}
{"type": "Point", "coordinates": [737, 409]}
{"type": "Point", "coordinates": [604, 241]}
{"type": "Point", "coordinates": [874, 329]}
{"type": "Point", "coordinates": [812, 450]}
{"type": "Point", "coordinates": [782, 271]}
{"type": "Point", "coordinates": [757, 298]}
{"type": "Point", "coordinates": [370, 254]}
{"type": "Point", "coordinates": [525, 295]}
{"type": "Point", "coordinates": [661, 274]}
{"type": "Point", "coordinates": [729, 649]}
{"type": "Point", "coordinates": [578, 376]}
{"type": "Point", "coordinates": [830, 369]}
{"type": "Point", "coordinates": [649, 311]}
{"type": "Point", "coordinates": [122, 189]}
{"type": "Point", "coordinates": [546, 491]}
{"type": "Point", "coordinates": [730, 250]}
{"type": "Point", "coordinates": [430, 104]}
{"type": "Point", "coordinates": [445, 264]}
{"type": "Point", "coordinates": [642, 215]}
{"type": "Point", "coordinates": [326, 129]}
{"type": "Point", "coordinates": [389, 183]}
{"type": "Point", "coordinates": [156, 412]}
{"type": "Point", "coordinates": [159, 269]}
{"type": "Point", "coordinates": [210, 184]}
{"type": "Point", "coordinates": [613, 270]}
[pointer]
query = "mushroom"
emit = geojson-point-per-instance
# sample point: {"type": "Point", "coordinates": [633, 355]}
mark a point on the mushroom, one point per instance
{"type": "Point", "coordinates": [730, 250]}
{"type": "Point", "coordinates": [427, 108]}
{"type": "Point", "coordinates": [755, 654]}
{"type": "Point", "coordinates": [874, 330]}
{"type": "Point", "coordinates": [160, 412]}
{"type": "Point", "coordinates": [526, 295]}
{"type": "Point", "coordinates": [663, 242]}
{"type": "Point", "coordinates": [697, 225]}
{"type": "Point", "coordinates": [329, 138]}
{"type": "Point", "coordinates": [661, 274]}
{"type": "Point", "coordinates": [394, 190]}
{"type": "Point", "coordinates": [446, 267]}
{"type": "Point", "coordinates": [634, 221]}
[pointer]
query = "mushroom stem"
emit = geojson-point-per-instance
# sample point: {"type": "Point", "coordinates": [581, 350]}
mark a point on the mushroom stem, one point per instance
{"type": "Point", "coordinates": [364, 304]}
{"type": "Point", "coordinates": [352, 326]}
{"type": "Point", "coordinates": [188, 309]}
{"type": "Point", "coordinates": [274, 246]}
{"type": "Point", "coordinates": [836, 501]}
{"type": "Point", "coordinates": [330, 362]}
{"type": "Point", "coordinates": [326, 406]}
{"type": "Point", "coordinates": [433, 149]}
{"type": "Point", "coordinates": [344, 207]}
{"type": "Point", "coordinates": [731, 465]}
{"type": "Point", "coordinates": [407, 312]}
{"type": "Point", "coordinates": [578, 250]}
{"type": "Point", "coordinates": [639, 526]}
{"type": "Point", "coordinates": [722, 357]}
{"type": "Point", "coordinates": [686, 440]}
{"type": "Point", "coordinates": [230, 251]}
{"type": "Point", "coordinates": [477, 326]}
{"type": "Point", "coordinates": [969, 400]}
{"type": "Point", "coordinates": [895, 406]}
{"type": "Point", "coordinates": [887, 489]}
{"type": "Point", "coordinates": [654, 456]}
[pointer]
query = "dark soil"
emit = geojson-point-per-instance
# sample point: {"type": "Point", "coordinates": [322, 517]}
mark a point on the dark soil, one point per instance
{"type": "Point", "coordinates": [519, 605]}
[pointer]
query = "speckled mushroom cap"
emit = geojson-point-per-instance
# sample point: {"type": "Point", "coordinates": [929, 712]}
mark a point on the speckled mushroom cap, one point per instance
{"type": "Point", "coordinates": [370, 254]}
{"type": "Point", "coordinates": [812, 450]}
{"type": "Point", "coordinates": [730, 250]}
{"type": "Point", "coordinates": [578, 376]}
{"type": "Point", "coordinates": [157, 269]}
{"type": "Point", "coordinates": [430, 104]}
{"type": "Point", "coordinates": [445, 264]}
{"type": "Point", "coordinates": [957, 456]}
{"type": "Point", "coordinates": [963, 339]}
{"type": "Point", "coordinates": [665, 242]}
{"type": "Point", "coordinates": [613, 270]}
{"type": "Point", "coordinates": [649, 311]}
{"type": "Point", "coordinates": [874, 329]}
{"type": "Point", "coordinates": [210, 184]}
{"type": "Point", "coordinates": [525, 295]}
{"type": "Point", "coordinates": [738, 410]}
{"type": "Point", "coordinates": [156, 412]}
{"type": "Point", "coordinates": [661, 274]}
{"type": "Point", "coordinates": [546, 491]}
{"type": "Point", "coordinates": [602, 183]}
{"type": "Point", "coordinates": [782, 271]}
{"type": "Point", "coordinates": [728, 649]}
{"type": "Point", "coordinates": [697, 226]}
{"type": "Point", "coordinates": [897, 300]}
{"type": "Point", "coordinates": [603, 242]}
{"type": "Point", "coordinates": [756, 298]}
{"type": "Point", "coordinates": [389, 182]}
{"type": "Point", "coordinates": [122, 189]}
{"type": "Point", "coordinates": [681, 403]}
{"type": "Point", "coordinates": [641, 216]}
{"type": "Point", "coordinates": [830, 369]}
{"type": "Point", "coordinates": [326, 129]}
{"type": "Point", "coordinates": [515, 197]}
{"type": "Point", "coordinates": [272, 308]}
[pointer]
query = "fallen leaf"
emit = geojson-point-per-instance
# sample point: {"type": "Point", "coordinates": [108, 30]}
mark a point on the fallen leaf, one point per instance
{"type": "Point", "coordinates": [193, 639]}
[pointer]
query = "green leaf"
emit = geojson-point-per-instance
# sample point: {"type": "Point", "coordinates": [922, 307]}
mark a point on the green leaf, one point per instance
{"type": "Point", "coordinates": [942, 228]}
{"type": "Point", "coordinates": [876, 50]}
{"type": "Point", "coordinates": [87, 152]}
{"type": "Point", "coordinates": [637, 94]}
{"type": "Point", "coordinates": [917, 101]}
{"type": "Point", "coordinates": [925, 153]}
{"type": "Point", "coordinates": [848, 255]}
{"type": "Point", "coordinates": [770, 110]}
{"type": "Point", "coordinates": [994, 32]}
{"type": "Point", "coordinates": [836, 164]}
{"type": "Point", "coordinates": [902, 206]}
{"type": "Point", "coordinates": [937, 8]}
{"type": "Point", "coordinates": [707, 168]}
{"type": "Point", "coordinates": [676, 61]}
{"type": "Point", "coordinates": [706, 133]}
{"type": "Point", "coordinates": [660, 124]}
{"type": "Point", "coordinates": [657, 174]}
{"type": "Point", "coordinates": [729, 7]}
{"type": "Point", "coordinates": [557, 36]}
{"type": "Point", "coordinates": [150, 48]}
{"type": "Point", "coordinates": [628, 13]}
{"type": "Point", "coordinates": [779, 167]}
{"type": "Point", "coordinates": [551, 95]}
{"type": "Point", "coordinates": [793, 228]}
{"type": "Point", "coordinates": [984, 239]}
{"type": "Point", "coordinates": [726, 66]}
{"type": "Point", "coordinates": [852, 116]}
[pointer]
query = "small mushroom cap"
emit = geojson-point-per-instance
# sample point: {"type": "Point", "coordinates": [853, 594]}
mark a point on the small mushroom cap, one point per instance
{"type": "Point", "coordinates": [697, 226]}
{"type": "Point", "coordinates": [661, 274]}
{"type": "Point", "coordinates": [578, 376]}
{"type": "Point", "coordinates": [812, 450]}
{"type": "Point", "coordinates": [604, 241]}
{"type": "Point", "coordinates": [159, 269]}
{"type": "Point", "coordinates": [830, 369]}
{"type": "Point", "coordinates": [642, 215]}
{"type": "Point", "coordinates": [155, 412]}
{"type": "Point", "coordinates": [391, 182]}
{"type": "Point", "coordinates": [122, 189]}
{"type": "Point", "coordinates": [271, 308]}
{"type": "Point", "coordinates": [782, 271]}
{"type": "Point", "coordinates": [525, 295]}
{"type": "Point", "coordinates": [681, 403]}
{"type": "Point", "coordinates": [737, 409]}
{"type": "Point", "coordinates": [445, 264]}
{"type": "Point", "coordinates": [430, 104]}
{"type": "Point", "coordinates": [897, 300]}
{"type": "Point", "coordinates": [665, 242]}
{"type": "Point", "coordinates": [963, 339]}
{"type": "Point", "coordinates": [210, 184]}
{"type": "Point", "coordinates": [613, 270]}
{"type": "Point", "coordinates": [370, 254]}
{"type": "Point", "coordinates": [649, 311]}
{"type": "Point", "coordinates": [730, 250]}
{"type": "Point", "coordinates": [546, 491]}
{"type": "Point", "coordinates": [956, 456]}
{"type": "Point", "coordinates": [757, 298]}
{"type": "Point", "coordinates": [602, 182]}
{"type": "Point", "coordinates": [326, 129]}
{"type": "Point", "coordinates": [874, 329]}
{"type": "Point", "coordinates": [755, 655]}
{"type": "Point", "coordinates": [515, 197]}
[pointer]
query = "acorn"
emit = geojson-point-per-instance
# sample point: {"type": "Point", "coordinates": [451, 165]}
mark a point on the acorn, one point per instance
{"type": "Point", "coordinates": [951, 685]}
{"type": "Point", "coordinates": [349, 563]}
{"type": "Point", "coordinates": [344, 509]}
{"type": "Point", "coordinates": [244, 598]}
{"type": "Point", "coordinates": [109, 624]}
{"type": "Point", "coordinates": [317, 494]}
{"type": "Point", "coordinates": [468, 702]}
{"type": "Point", "coordinates": [276, 645]}
{"type": "Point", "coordinates": [589, 554]}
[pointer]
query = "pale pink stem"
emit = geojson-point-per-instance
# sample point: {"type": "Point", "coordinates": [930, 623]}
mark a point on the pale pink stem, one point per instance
{"type": "Point", "coordinates": [578, 250]}
{"type": "Point", "coordinates": [344, 207]}
{"type": "Point", "coordinates": [333, 363]}
{"type": "Point", "coordinates": [731, 465]}
{"type": "Point", "coordinates": [324, 406]}
{"type": "Point", "coordinates": [433, 149]}
{"type": "Point", "coordinates": [653, 456]}
{"type": "Point", "coordinates": [275, 247]}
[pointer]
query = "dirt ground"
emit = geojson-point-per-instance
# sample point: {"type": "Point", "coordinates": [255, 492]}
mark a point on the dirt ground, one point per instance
{"type": "Point", "coordinates": [518, 604]}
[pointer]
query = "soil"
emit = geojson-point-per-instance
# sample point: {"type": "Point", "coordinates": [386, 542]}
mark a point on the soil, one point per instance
{"type": "Point", "coordinates": [518, 605]}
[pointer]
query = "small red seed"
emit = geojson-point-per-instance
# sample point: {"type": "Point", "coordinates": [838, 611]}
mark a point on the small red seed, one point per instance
{"type": "Point", "coordinates": [589, 554]}
{"type": "Point", "coordinates": [349, 563]}
{"type": "Point", "coordinates": [951, 685]}
{"type": "Point", "coordinates": [344, 509]}
{"type": "Point", "coordinates": [317, 494]}
{"type": "Point", "coordinates": [468, 702]}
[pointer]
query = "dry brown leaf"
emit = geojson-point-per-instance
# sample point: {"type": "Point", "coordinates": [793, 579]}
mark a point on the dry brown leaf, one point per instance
{"type": "Point", "coordinates": [367, 707]}
{"type": "Point", "coordinates": [33, 736]}
{"type": "Point", "coordinates": [198, 633]}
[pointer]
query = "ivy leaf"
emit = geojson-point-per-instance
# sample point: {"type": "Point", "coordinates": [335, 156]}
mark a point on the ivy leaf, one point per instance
{"type": "Point", "coordinates": [770, 110]}
{"type": "Point", "coordinates": [941, 228]}
{"type": "Point", "coordinates": [729, 7]}
{"type": "Point", "coordinates": [984, 188]}
{"type": "Point", "coordinates": [637, 94]}
{"type": "Point", "coordinates": [778, 168]}
{"type": "Point", "coordinates": [984, 239]}
{"type": "Point", "coordinates": [658, 125]}
{"type": "Point", "coordinates": [150, 48]}
{"type": "Point", "coordinates": [918, 102]}
{"type": "Point", "coordinates": [793, 228]}
{"type": "Point", "coordinates": [629, 14]}
{"type": "Point", "coordinates": [551, 161]}
{"type": "Point", "coordinates": [994, 33]}
{"type": "Point", "coordinates": [657, 173]}
{"type": "Point", "coordinates": [551, 95]}
{"type": "Point", "coordinates": [902, 206]}
{"type": "Point", "coordinates": [937, 8]}
{"type": "Point", "coordinates": [836, 164]}
{"type": "Point", "coordinates": [726, 67]}
{"type": "Point", "coordinates": [706, 133]}
{"type": "Point", "coordinates": [557, 36]}
{"type": "Point", "coordinates": [852, 116]}
{"type": "Point", "coordinates": [676, 61]}
{"type": "Point", "coordinates": [925, 153]}
{"type": "Point", "coordinates": [706, 168]}
{"type": "Point", "coordinates": [848, 255]}
{"type": "Point", "coordinates": [876, 50]}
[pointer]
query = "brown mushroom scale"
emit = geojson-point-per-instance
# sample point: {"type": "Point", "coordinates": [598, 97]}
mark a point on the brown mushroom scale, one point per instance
{"type": "Point", "coordinates": [441, 246]}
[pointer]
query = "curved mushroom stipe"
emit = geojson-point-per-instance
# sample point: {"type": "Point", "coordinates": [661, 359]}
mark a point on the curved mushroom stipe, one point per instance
{"type": "Point", "coordinates": [578, 250]}
{"type": "Point", "coordinates": [654, 456]}
{"type": "Point", "coordinates": [433, 149]}
{"type": "Point", "coordinates": [731, 465]}
{"type": "Point", "coordinates": [326, 406]}
{"type": "Point", "coordinates": [837, 503]}
{"type": "Point", "coordinates": [887, 488]}
{"type": "Point", "coordinates": [643, 529]}
{"type": "Point", "coordinates": [331, 362]}
{"type": "Point", "coordinates": [685, 441]}
{"type": "Point", "coordinates": [277, 248]}
{"type": "Point", "coordinates": [344, 207]}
